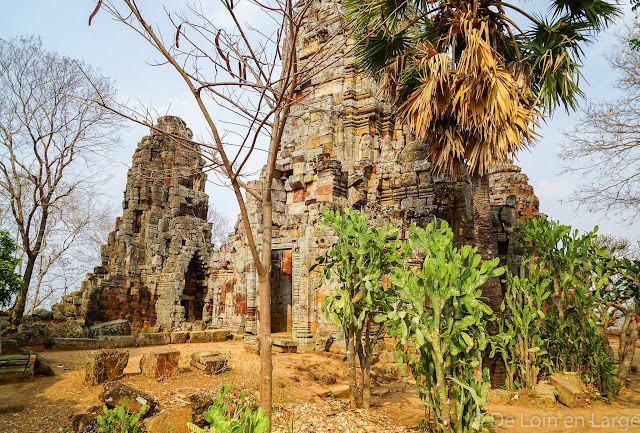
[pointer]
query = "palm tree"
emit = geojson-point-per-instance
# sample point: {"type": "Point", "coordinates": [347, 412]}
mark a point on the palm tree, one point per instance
{"type": "Point", "coordinates": [468, 80]}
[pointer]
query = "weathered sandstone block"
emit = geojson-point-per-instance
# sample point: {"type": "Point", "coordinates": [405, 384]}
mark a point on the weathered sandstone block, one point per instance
{"type": "Point", "coordinates": [159, 363]}
{"type": "Point", "coordinates": [105, 365]}
{"type": "Point", "coordinates": [212, 362]}
{"type": "Point", "coordinates": [115, 393]}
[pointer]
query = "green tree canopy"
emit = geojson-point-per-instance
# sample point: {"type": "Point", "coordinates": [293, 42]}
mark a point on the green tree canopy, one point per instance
{"type": "Point", "coordinates": [9, 279]}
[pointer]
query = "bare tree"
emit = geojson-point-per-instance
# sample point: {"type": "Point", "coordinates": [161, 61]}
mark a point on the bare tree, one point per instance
{"type": "Point", "coordinates": [75, 234]}
{"type": "Point", "coordinates": [620, 248]}
{"type": "Point", "coordinates": [51, 139]}
{"type": "Point", "coordinates": [604, 145]}
{"type": "Point", "coordinates": [247, 65]}
{"type": "Point", "coordinates": [220, 227]}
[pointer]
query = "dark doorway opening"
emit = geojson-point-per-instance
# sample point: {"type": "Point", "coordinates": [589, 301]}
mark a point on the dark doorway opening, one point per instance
{"type": "Point", "coordinates": [192, 298]}
{"type": "Point", "coordinates": [281, 292]}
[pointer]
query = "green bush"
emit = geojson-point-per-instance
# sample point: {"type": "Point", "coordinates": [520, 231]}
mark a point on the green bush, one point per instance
{"type": "Point", "coordinates": [440, 322]}
{"type": "Point", "coordinates": [360, 258]}
{"type": "Point", "coordinates": [118, 420]}
{"type": "Point", "coordinates": [230, 415]}
{"type": "Point", "coordinates": [521, 336]}
{"type": "Point", "coordinates": [574, 267]}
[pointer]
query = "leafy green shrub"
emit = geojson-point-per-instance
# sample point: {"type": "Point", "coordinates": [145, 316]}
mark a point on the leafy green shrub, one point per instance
{"type": "Point", "coordinates": [360, 258]}
{"type": "Point", "coordinates": [10, 282]}
{"type": "Point", "coordinates": [118, 420]}
{"type": "Point", "coordinates": [440, 322]}
{"type": "Point", "coordinates": [230, 415]}
{"type": "Point", "coordinates": [521, 339]}
{"type": "Point", "coordinates": [574, 265]}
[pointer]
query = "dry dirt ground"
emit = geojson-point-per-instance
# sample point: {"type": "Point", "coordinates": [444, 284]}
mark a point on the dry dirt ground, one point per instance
{"type": "Point", "coordinates": [300, 389]}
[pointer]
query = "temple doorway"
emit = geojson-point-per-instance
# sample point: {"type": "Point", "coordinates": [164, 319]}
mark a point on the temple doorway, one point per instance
{"type": "Point", "coordinates": [192, 298]}
{"type": "Point", "coordinates": [281, 292]}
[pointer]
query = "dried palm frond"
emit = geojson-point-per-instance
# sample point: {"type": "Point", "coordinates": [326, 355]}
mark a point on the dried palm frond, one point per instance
{"type": "Point", "coordinates": [474, 110]}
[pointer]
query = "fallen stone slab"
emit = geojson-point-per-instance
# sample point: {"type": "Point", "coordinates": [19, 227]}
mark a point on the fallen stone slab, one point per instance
{"type": "Point", "coordinates": [42, 314]}
{"type": "Point", "coordinates": [180, 337]}
{"type": "Point", "coordinates": [201, 400]}
{"type": "Point", "coordinates": [9, 346]}
{"type": "Point", "coordinates": [500, 396]}
{"type": "Point", "coordinates": [114, 393]}
{"type": "Point", "coordinates": [174, 421]}
{"type": "Point", "coordinates": [571, 377]}
{"type": "Point", "coordinates": [218, 335]}
{"type": "Point", "coordinates": [114, 327]}
{"type": "Point", "coordinates": [153, 339]}
{"type": "Point", "coordinates": [568, 394]}
{"type": "Point", "coordinates": [159, 363]}
{"type": "Point", "coordinates": [212, 362]}
{"type": "Point", "coordinates": [31, 334]}
{"type": "Point", "coordinates": [324, 340]}
{"type": "Point", "coordinates": [284, 345]}
{"type": "Point", "coordinates": [15, 368]}
{"type": "Point", "coordinates": [336, 391]}
{"type": "Point", "coordinates": [327, 379]}
{"type": "Point", "coordinates": [75, 329]}
{"type": "Point", "coordinates": [41, 366]}
{"type": "Point", "coordinates": [76, 343]}
{"type": "Point", "coordinates": [105, 365]}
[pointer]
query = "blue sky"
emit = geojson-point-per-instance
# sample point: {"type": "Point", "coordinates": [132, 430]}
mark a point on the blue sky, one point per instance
{"type": "Point", "coordinates": [125, 57]}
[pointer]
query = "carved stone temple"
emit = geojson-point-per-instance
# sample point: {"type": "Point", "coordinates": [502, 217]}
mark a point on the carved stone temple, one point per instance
{"type": "Point", "coordinates": [342, 148]}
{"type": "Point", "coordinates": [155, 265]}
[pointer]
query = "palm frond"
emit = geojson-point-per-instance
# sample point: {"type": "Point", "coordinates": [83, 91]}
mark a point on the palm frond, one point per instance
{"type": "Point", "coordinates": [598, 13]}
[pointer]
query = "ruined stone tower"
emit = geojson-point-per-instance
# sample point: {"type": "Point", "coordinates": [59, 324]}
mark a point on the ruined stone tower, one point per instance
{"type": "Point", "coordinates": [154, 266]}
{"type": "Point", "coordinates": [341, 148]}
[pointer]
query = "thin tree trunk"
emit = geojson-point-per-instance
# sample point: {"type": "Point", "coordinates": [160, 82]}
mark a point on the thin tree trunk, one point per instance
{"type": "Point", "coordinates": [627, 347]}
{"type": "Point", "coordinates": [557, 298]}
{"type": "Point", "coordinates": [366, 371]}
{"type": "Point", "coordinates": [351, 360]}
{"type": "Point", "coordinates": [264, 337]}
{"type": "Point", "coordinates": [264, 281]}
{"type": "Point", "coordinates": [622, 342]}
{"type": "Point", "coordinates": [21, 298]}
{"type": "Point", "coordinates": [441, 385]}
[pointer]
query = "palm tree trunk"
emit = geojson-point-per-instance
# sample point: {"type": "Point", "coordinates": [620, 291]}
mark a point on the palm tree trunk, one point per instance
{"type": "Point", "coordinates": [485, 241]}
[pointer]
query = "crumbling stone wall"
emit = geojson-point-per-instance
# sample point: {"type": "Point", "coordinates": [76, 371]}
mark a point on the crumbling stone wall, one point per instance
{"type": "Point", "coordinates": [509, 184]}
{"type": "Point", "coordinates": [154, 267]}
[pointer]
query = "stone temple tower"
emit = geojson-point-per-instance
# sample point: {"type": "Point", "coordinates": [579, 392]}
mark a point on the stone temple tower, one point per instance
{"type": "Point", "coordinates": [154, 266]}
